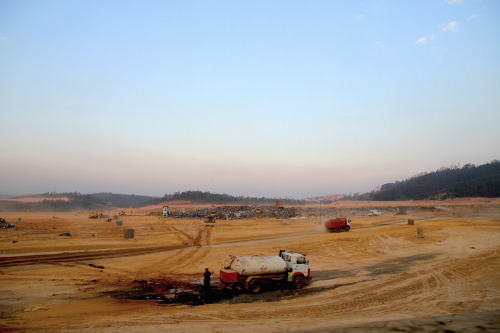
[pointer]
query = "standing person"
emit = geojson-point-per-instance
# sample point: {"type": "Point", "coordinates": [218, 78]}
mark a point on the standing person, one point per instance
{"type": "Point", "coordinates": [206, 280]}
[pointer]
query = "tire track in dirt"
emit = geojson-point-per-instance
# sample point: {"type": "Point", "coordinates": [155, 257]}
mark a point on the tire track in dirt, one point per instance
{"type": "Point", "coordinates": [203, 237]}
{"type": "Point", "coordinates": [183, 236]}
{"type": "Point", "coordinates": [196, 254]}
{"type": "Point", "coordinates": [208, 236]}
{"type": "Point", "coordinates": [197, 239]}
{"type": "Point", "coordinates": [336, 301]}
{"type": "Point", "coordinates": [185, 255]}
{"type": "Point", "coordinates": [36, 259]}
{"type": "Point", "coordinates": [448, 287]}
{"type": "Point", "coordinates": [167, 262]}
{"type": "Point", "coordinates": [395, 285]}
{"type": "Point", "coordinates": [193, 255]}
{"type": "Point", "coordinates": [453, 285]}
{"type": "Point", "coordinates": [180, 259]}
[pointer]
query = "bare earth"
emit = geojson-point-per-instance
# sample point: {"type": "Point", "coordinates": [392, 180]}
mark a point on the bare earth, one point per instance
{"type": "Point", "coordinates": [378, 277]}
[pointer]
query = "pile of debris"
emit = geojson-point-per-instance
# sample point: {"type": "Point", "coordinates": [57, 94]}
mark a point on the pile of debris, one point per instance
{"type": "Point", "coordinates": [279, 212]}
{"type": "Point", "coordinates": [4, 224]}
{"type": "Point", "coordinates": [238, 212]}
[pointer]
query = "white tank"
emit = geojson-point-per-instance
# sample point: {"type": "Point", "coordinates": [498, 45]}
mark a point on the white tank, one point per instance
{"type": "Point", "coordinates": [256, 265]}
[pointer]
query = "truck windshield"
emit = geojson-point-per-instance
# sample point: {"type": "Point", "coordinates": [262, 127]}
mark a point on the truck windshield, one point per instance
{"type": "Point", "coordinates": [301, 260]}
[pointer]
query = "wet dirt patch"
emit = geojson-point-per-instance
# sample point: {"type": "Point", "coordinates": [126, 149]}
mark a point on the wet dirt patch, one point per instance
{"type": "Point", "coordinates": [273, 295]}
{"type": "Point", "coordinates": [335, 274]}
{"type": "Point", "coordinates": [170, 292]}
{"type": "Point", "coordinates": [398, 265]}
{"type": "Point", "coordinates": [164, 290]}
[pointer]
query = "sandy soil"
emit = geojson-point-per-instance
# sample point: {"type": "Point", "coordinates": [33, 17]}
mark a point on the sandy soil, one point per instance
{"type": "Point", "coordinates": [378, 277]}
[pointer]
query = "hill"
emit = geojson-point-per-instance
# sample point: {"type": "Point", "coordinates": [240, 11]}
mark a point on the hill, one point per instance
{"type": "Point", "coordinates": [201, 197]}
{"type": "Point", "coordinates": [447, 182]}
{"type": "Point", "coordinates": [122, 200]}
{"type": "Point", "coordinates": [72, 201]}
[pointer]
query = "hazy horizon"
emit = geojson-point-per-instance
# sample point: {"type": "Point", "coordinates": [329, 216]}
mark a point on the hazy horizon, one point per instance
{"type": "Point", "coordinates": [7, 195]}
{"type": "Point", "coordinates": [260, 99]}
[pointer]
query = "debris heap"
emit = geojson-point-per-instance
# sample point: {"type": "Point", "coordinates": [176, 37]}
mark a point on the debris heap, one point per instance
{"type": "Point", "coordinates": [4, 224]}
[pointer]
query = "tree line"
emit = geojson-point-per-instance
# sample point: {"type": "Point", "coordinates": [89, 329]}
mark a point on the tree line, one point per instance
{"type": "Point", "coordinates": [76, 202]}
{"type": "Point", "coordinates": [447, 182]}
{"type": "Point", "coordinates": [216, 198]}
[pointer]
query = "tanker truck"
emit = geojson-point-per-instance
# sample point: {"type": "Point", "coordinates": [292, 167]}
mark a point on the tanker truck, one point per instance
{"type": "Point", "coordinates": [252, 273]}
{"type": "Point", "coordinates": [338, 224]}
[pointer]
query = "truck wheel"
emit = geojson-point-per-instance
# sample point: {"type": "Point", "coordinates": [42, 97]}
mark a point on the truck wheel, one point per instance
{"type": "Point", "coordinates": [347, 228]}
{"type": "Point", "coordinates": [255, 286]}
{"type": "Point", "coordinates": [298, 281]}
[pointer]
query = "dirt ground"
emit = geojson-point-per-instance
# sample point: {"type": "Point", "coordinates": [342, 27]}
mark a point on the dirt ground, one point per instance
{"type": "Point", "coordinates": [63, 272]}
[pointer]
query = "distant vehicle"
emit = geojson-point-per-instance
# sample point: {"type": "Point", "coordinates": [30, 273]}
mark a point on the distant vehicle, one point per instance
{"type": "Point", "coordinates": [124, 211]}
{"type": "Point", "coordinates": [210, 221]}
{"type": "Point", "coordinates": [95, 214]}
{"type": "Point", "coordinates": [166, 212]}
{"type": "Point", "coordinates": [374, 212]}
{"type": "Point", "coordinates": [338, 224]}
{"type": "Point", "coordinates": [253, 272]}
{"type": "Point", "coordinates": [4, 224]}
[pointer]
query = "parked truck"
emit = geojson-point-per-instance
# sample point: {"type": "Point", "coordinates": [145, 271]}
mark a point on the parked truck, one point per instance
{"type": "Point", "coordinates": [252, 273]}
{"type": "Point", "coordinates": [374, 212]}
{"type": "Point", "coordinates": [166, 211]}
{"type": "Point", "coordinates": [338, 224]}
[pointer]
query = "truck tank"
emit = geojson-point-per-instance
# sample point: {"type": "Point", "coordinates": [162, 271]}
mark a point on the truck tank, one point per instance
{"type": "Point", "coordinates": [256, 265]}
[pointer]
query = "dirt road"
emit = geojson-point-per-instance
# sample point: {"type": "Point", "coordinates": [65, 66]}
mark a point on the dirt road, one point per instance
{"type": "Point", "coordinates": [379, 276]}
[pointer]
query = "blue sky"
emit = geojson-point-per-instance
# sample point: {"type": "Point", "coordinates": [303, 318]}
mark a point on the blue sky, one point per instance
{"type": "Point", "coordinates": [259, 98]}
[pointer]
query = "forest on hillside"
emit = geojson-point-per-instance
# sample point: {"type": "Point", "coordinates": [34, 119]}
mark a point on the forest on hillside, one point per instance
{"type": "Point", "coordinates": [447, 182]}
{"type": "Point", "coordinates": [76, 202]}
{"type": "Point", "coordinates": [215, 198]}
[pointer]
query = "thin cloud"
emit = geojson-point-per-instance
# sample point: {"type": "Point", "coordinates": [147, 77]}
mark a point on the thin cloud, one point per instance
{"type": "Point", "coordinates": [454, 2]}
{"type": "Point", "coordinates": [451, 26]}
{"type": "Point", "coordinates": [472, 17]}
{"type": "Point", "coordinates": [4, 40]}
{"type": "Point", "coordinates": [359, 17]}
{"type": "Point", "coordinates": [383, 47]}
{"type": "Point", "coordinates": [424, 40]}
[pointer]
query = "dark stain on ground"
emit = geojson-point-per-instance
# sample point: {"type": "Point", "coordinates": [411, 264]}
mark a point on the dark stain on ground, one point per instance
{"type": "Point", "coordinates": [397, 265]}
{"type": "Point", "coordinates": [168, 291]}
{"type": "Point", "coordinates": [391, 266]}
{"type": "Point", "coordinates": [334, 274]}
{"type": "Point", "coordinates": [275, 295]}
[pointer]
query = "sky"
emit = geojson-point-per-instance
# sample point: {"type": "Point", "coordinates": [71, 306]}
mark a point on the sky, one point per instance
{"type": "Point", "coordinates": [287, 99]}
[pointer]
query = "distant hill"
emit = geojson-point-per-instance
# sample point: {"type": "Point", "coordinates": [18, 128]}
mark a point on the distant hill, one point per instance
{"type": "Point", "coordinates": [447, 182]}
{"type": "Point", "coordinates": [218, 199]}
{"type": "Point", "coordinates": [122, 200]}
{"type": "Point", "coordinates": [73, 201]}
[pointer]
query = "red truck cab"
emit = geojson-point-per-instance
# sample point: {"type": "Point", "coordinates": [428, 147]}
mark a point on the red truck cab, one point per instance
{"type": "Point", "coordinates": [338, 224]}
